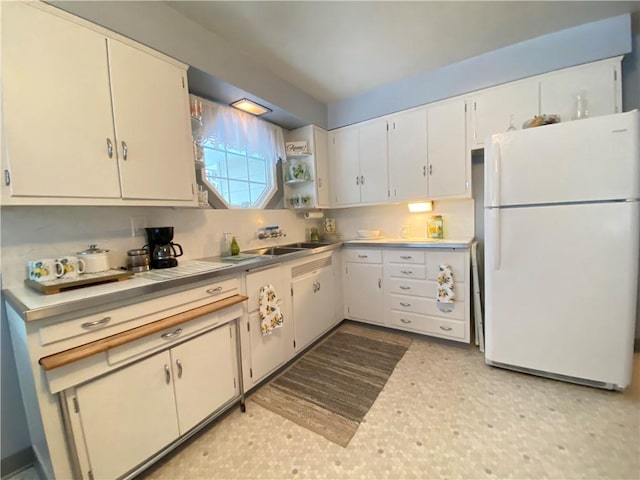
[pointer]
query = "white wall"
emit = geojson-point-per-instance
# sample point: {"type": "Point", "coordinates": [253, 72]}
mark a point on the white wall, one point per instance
{"type": "Point", "coordinates": [37, 232]}
{"type": "Point", "coordinates": [458, 218]}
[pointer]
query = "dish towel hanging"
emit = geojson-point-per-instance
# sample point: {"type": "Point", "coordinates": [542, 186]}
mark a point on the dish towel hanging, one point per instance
{"type": "Point", "coordinates": [269, 310]}
{"type": "Point", "coordinates": [446, 285]}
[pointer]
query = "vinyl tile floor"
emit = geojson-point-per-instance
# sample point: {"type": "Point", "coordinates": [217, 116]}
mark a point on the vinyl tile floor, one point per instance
{"type": "Point", "coordinates": [443, 414]}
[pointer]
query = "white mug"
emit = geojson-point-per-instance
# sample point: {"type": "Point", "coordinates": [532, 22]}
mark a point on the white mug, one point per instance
{"type": "Point", "coordinates": [44, 269]}
{"type": "Point", "coordinates": [71, 266]}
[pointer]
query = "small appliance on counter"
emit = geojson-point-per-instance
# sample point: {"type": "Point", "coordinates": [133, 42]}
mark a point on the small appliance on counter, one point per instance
{"type": "Point", "coordinates": [162, 250]}
{"type": "Point", "coordinates": [138, 260]}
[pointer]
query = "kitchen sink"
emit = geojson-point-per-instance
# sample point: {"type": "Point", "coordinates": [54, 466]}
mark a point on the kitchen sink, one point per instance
{"type": "Point", "coordinates": [305, 245]}
{"type": "Point", "coordinates": [274, 250]}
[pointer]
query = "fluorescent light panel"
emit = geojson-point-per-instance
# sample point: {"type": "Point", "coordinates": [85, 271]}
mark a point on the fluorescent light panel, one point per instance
{"type": "Point", "coordinates": [421, 207]}
{"type": "Point", "coordinates": [248, 106]}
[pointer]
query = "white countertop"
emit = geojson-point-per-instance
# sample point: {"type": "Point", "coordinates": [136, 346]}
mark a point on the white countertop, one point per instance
{"type": "Point", "coordinates": [414, 242]}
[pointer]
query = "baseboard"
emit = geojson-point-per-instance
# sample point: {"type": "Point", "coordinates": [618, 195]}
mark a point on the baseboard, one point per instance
{"type": "Point", "coordinates": [16, 462]}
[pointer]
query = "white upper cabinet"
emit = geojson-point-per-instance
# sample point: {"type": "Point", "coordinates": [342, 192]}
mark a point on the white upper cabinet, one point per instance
{"type": "Point", "coordinates": [57, 106]}
{"type": "Point", "coordinates": [407, 139]}
{"type": "Point", "coordinates": [373, 162]}
{"type": "Point", "coordinates": [90, 119]}
{"type": "Point", "coordinates": [359, 163]}
{"type": "Point", "coordinates": [493, 110]}
{"type": "Point", "coordinates": [321, 150]}
{"type": "Point", "coordinates": [150, 103]}
{"type": "Point", "coordinates": [344, 148]}
{"type": "Point", "coordinates": [596, 82]}
{"type": "Point", "coordinates": [449, 169]}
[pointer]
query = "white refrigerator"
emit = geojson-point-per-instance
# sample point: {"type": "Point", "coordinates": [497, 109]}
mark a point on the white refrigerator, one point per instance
{"type": "Point", "coordinates": [561, 249]}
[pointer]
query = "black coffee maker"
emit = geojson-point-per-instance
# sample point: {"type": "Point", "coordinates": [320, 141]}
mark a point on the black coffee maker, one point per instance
{"type": "Point", "coordinates": [162, 251]}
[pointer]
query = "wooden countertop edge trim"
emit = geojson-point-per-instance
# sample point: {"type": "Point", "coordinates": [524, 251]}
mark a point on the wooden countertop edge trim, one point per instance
{"type": "Point", "coordinates": [83, 351]}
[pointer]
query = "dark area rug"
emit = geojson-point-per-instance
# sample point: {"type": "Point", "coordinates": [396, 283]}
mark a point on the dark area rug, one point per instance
{"type": "Point", "coordinates": [332, 387]}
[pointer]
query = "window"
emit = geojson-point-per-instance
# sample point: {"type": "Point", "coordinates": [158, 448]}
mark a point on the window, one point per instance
{"type": "Point", "coordinates": [239, 153]}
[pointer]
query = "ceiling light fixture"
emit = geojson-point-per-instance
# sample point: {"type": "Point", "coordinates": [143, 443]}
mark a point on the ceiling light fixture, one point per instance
{"type": "Point", "coordinates": [421, 207]}
{"type": "Point", "coordinates": [248, 106]}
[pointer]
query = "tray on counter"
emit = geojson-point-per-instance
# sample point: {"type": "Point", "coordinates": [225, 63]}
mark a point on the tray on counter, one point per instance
{"type": "Point", "coordinates": [84, 280]}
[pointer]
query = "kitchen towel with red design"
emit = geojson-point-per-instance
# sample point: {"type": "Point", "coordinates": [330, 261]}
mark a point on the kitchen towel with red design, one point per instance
{"type": "Point", "coordinates": [446, 285]}
{"type": "Point", "coordinates": [269, 310]}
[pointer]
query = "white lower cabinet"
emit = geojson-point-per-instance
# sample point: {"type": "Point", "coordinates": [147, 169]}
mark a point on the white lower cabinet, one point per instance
{"type": "Point", "coordinates": [265, 353]}
{"type": "Point", "coordinates": [411, 290]}
{"type": "Point", "coordinates": [313, 300]}
{"type": "Point", "coordinates": [127, 416]}
{"type": "Point", "coordinates": [362, 279]}
{"type": "Point", "coordinates": [398, 288]}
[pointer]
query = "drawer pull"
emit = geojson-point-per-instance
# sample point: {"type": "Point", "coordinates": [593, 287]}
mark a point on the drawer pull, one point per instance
{"type": "Point", "coordinates": [97, 323]}
{"type": "Point", "coordinates": [405, 321]}
{"type": "Point", "coordinates": [406, 257]}
{"type": "Point", "coordinates": [446, 329]}
{"type": "Point", "coordinates": [446, 310]}
{"type": "Point", "coordinates": [404, 287]}
{"type": "Point", "coordinates": [404, 304]}
{"type": "Point", "coordinates": [363, 256]}
{"type": "Point", "coordinates": [179, 365]}
{"type": "Point", "coordinates": [214, 290]}
{"type": "Point", "coordinates": [407, 272]}
{"type": "Point", "coordinates": [175, 333]}
{"type": "Point", "coordinates": [167, 374]}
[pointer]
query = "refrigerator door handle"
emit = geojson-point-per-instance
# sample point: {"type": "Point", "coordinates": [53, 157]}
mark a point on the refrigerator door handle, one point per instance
{"type": "Point", "coordinates": [495, 201]}
{"type": "Point", "coordinates": [495, 213]}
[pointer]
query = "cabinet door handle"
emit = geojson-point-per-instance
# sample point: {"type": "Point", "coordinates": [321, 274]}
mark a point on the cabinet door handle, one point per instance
{"type": "Point", "coordinates": [319, 286]}
{"type": "Point", "coordinates": [109, 148]}
{"type": "Point", "coordinates": [167, 374]}
{"type": "Point", "coordinates": [407, 272]}
{"type": "Point", "coordinates": [361, 179]}
{"type": "Point", "coordinates": [405, 321]}
{"type": "Point", "coordinates": [404, 287]}
{"type": "Point", "coordinates": [446, 329]}
{"type": "Point", "coordinates": [96, 323]}
{"type": "Point", "coordinates": [379, 283]}
{"type": "Point", "coordinates": [319, 182]}
{"type": "Point", "coordinates": [406, 257]}
{"type": "Point", "coordinates": [424, 170]}
{"type": "Point", "coordinates": [168, 335]}
{"type": "Point", "coordinates": [179, 365]}
{"type": "Point", "coordinates": [430, 169]}
{"type": "Point", "coordinates": [405, 304]}
{"type": "Point", "coordinates": [357, 180]}
{"type": "Point", "coordinates": [125, 150]}
{"type": "Point", "coordinates": [214, 290]}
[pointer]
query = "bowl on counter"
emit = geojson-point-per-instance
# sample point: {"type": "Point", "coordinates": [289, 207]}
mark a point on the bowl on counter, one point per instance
{"type": "Point", "coordinates": [364, 234]}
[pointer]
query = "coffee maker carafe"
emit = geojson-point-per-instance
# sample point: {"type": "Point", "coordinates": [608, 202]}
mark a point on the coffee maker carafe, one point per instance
{"type": "Point", "coordinates": [161, 249]}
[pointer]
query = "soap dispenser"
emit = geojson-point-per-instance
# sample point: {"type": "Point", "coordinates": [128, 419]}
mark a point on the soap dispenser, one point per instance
{"type": "Point", "coordinates": [235, 248]}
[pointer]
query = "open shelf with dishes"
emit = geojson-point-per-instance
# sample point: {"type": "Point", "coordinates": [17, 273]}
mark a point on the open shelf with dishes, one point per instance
{"type": "Point", "coordinates": [304, 171]}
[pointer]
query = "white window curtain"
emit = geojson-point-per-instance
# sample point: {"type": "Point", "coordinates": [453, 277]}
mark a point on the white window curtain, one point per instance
{"type": "Point", "coordinates": [233, 129]}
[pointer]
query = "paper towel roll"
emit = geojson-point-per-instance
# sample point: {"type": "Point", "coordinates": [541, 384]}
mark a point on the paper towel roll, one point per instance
{"type": "Point", "coordinates": [313, 215]}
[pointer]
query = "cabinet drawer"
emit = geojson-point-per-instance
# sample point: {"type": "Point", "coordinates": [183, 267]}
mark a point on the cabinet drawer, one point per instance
{"type": "Point", "coordinates": [171, 335]}
{"type": "Point", "coordinates": [408, 271]}
{"type": "Point", "coordinates": [455, 259]}
{"type": "Point", "coordinates": [427, 306]}
{"type": "Point", "coordinates": [110, 322]}
{"type": "Point", "coordinates": [429, 325]}
{"type": "Point", "coordinates": [404, 256]}
{"type": "Point", "coordinates": [422, 288]}
{"type": "Point", "coordinates": [360, 255]}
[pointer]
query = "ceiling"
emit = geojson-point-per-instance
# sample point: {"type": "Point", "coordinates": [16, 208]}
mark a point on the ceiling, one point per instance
{"type": "Point", "coordinates": [333, 50]}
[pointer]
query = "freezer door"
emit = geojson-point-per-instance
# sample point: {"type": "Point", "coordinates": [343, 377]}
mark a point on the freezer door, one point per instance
{"type": "Point", "coordinates": [585, 160]}
{"type": "Point", "coordinates": [561, 286]}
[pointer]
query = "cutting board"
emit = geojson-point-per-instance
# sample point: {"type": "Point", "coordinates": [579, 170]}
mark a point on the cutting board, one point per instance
{"type": "Point", "coordinates": [85, 280]}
